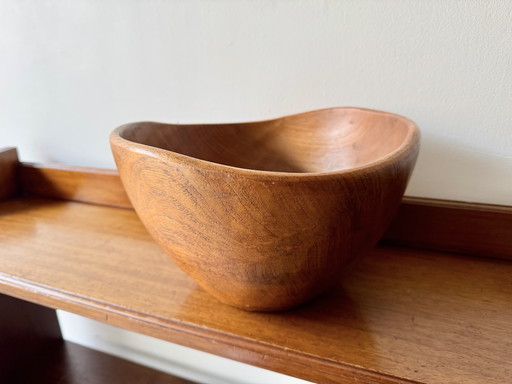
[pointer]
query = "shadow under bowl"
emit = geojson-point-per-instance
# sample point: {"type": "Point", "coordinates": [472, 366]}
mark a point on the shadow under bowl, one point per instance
{"type": "Point", "coordinates": [266, 215]}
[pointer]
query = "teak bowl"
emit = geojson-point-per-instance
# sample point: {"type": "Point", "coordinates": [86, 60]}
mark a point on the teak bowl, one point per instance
{"type": "Point", "coordinates": [266, 215]}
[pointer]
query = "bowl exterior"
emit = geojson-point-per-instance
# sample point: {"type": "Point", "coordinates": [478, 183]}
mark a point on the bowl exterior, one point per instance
{"type": "Point", "coordinates": [256, 241]}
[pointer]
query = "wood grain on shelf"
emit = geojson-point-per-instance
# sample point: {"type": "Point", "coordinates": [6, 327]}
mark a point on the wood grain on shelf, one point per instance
{"type": "Point", "coordinates": [89, 185]}
{"type": "Point", "coordinates": [402, 315]}
{"type": "Point", "coordinates": [8, 172]}
{"type": "Point", "coordinates": [449, 226]}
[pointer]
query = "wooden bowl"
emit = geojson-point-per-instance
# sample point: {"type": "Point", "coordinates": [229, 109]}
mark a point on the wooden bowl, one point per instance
{"type": "Point", "coordinates": [266, 215]}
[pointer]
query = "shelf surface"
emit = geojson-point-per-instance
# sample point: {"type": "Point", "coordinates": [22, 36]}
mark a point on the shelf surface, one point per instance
{"type": "Point", "coordinates": [402, 314]}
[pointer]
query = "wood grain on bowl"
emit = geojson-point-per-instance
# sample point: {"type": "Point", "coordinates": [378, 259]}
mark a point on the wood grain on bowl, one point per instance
{"type": "Point", "coordinates": [265, 215]}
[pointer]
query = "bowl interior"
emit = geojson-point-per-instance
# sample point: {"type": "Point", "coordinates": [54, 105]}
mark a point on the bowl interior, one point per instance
{"type": "Point", "coordinates": [314, 142]}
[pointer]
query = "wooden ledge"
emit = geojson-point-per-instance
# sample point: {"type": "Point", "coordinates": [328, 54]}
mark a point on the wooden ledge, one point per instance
{"type": "Point", "coordinates": [451, 226]}
{"type": "Point", "coordinates": [440, 225]}
{"type": "Point", "coordinates": [9, 183]}
{"type": "Point", "coordinates": [88, 185]}
{"type": "Point", "coordinates": [403, 315]}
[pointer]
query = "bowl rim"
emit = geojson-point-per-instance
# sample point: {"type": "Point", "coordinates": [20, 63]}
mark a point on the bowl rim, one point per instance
{"type": "Point", "coordinates": [410, 145]}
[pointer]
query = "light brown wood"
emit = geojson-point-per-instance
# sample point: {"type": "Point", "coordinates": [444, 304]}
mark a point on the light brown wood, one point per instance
{"type": "Point", "coordinates": [450, 226]}
{"type": "Point", "coordinates": [403, 315]}
{"type": "Point", "coordinates": [8, 173]}
{"type": "Point", "coordinates": [265, 216]}
{"type": "Point", "coordinates": [89, 185]}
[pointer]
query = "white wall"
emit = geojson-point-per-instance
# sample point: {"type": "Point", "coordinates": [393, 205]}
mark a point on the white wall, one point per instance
{"type": "Point", "coordinates": [71, 71]}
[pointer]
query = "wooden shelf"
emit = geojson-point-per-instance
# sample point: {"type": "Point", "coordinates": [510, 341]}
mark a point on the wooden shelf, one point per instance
{"type": "Point", "coordinates": [402, 315]}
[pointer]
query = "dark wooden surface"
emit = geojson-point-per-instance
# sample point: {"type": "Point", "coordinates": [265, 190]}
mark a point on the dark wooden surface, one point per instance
{"type": "Point", "coordinates": [68, 363]}
{"type": "Point", "coordinates": [32, 351]}
{"type": "Point", "coordinates": [8, 173]}
{"type": "Point", "coordinates": [449, 226]}
{"type": "Point", "coordinates": [402, 315]}
{"type": "Point", "coordinates": [26, 330]}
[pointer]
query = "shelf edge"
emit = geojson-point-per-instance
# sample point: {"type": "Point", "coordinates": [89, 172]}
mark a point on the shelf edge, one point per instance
{"type": "Point", "coordinates": [226, 345]}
